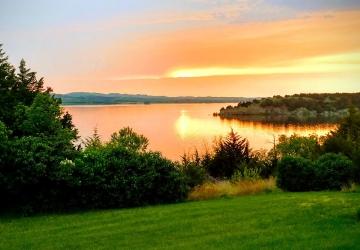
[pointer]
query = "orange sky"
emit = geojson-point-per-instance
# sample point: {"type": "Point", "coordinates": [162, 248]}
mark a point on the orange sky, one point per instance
{"type": "Point", "coordinates": [309, 51]}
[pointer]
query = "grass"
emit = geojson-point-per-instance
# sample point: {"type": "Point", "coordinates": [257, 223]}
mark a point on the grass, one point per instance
{"type": "Point", "coordinates": [218, 189]}
{"type": "Point", "coordinates": [321, 220]}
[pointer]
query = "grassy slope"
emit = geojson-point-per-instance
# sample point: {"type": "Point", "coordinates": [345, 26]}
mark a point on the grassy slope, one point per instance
{"type": "Point", "coordinates": [276, 220]}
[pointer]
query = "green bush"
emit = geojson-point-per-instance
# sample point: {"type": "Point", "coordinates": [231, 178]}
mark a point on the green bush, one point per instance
{"type": "Point", "coordinates": [193, 166]}
{"type": "Point", "coordinates": [346, 140]}
{"type": "Point", "coordinates": [329, 172]}
{"type": "Point", "coordinates": [295, 145]}
{"type": "Point", "coordinates": [358, 214]}
{"type": "Point", "coordinates": [295, 174]}
{"type": "Point", "coordinates": [333, 171]}
{"type": "Point", "coordinates": [114, 176]}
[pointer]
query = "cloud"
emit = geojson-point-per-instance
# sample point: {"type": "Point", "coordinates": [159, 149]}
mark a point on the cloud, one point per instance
{"type": "Point", "coordinates": [272, 45]}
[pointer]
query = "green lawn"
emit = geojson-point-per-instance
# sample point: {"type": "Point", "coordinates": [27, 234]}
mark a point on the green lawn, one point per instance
{"type": "Point", "coordinates": [275, 220]}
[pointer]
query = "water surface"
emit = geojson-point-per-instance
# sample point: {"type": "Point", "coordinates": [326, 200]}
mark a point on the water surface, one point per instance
{"type": "Point", "coordinates": [177, 128]}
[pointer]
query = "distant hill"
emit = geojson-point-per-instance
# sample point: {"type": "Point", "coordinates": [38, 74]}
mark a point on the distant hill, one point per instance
{"type": "Point", "coordinates": [298, 108]}
{"type": "Point", "coordinates": [82, 98]}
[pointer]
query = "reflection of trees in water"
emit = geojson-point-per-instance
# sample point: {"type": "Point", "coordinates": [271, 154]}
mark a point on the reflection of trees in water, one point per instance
{"type": "Point", "coordinates": [279, 125]}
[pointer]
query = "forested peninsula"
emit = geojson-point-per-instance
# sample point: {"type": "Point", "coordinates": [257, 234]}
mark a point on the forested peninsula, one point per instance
{"type": "Point", "coordinates": [295, 108]}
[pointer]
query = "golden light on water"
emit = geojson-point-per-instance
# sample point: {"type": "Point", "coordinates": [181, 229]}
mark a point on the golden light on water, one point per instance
{"type": "Point", "coordinates": [177, 128]}
{"type": "Point", "coordinates": [188, 127]}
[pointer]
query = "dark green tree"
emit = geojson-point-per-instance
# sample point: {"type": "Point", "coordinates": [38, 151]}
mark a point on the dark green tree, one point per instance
{"type": "Point", "coordinates": [7, 83]}
{"type": "Point", "coordinates": [28, 86]}
{"type": "Point", "coordinates": [230, 155]}
{"type": "Point", "coordinates": [346, 140]}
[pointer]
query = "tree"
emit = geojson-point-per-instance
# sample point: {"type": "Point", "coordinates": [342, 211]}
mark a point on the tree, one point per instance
{"type": "Point", "coordinates": [27, 86]}
{"type": "Point", "coordinates": [127, 138]}
{"type": "Point", "coordinates": [7, 83]}
{"type": "Point", "coordinates": [346, 140]}
{"type": "Point", "coordinates": [230, 154]}
{"type": "Point", "coordinates": [295, 145]}
{"type": "Point", "coordinates": [93, 141]}
{"type": "Point", "coordinates": [17, 89]}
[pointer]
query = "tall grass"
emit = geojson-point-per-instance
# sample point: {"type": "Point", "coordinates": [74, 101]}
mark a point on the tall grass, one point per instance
{"type": "Point", "coordinates": [217, 189]}
{"type": "Point", "coordinates": [353, 188]}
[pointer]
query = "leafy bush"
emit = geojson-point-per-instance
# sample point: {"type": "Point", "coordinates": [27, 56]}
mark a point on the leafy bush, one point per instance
{"type": "Point", "coordinates": [295, 174]}
{"type": "Point", "coordinates": [121, 173]}
{"type": "Point", "coordinates": [333, 171]}
{"type": "Point", "coordinates": [329, 172]}
{"type": "Point", "coordinates": [193, 168]}
{"type": "Point", "coordinates": [346, 140]}
{"type": "Point", "coordinates": [358, 214]}
{"type": "Point", "coordinates": [295, 145]}
{"type": "Point", "coordinates": [116, 177]}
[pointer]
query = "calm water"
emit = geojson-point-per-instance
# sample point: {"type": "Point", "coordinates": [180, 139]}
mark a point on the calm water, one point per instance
{"type": "Point", "coordinates": [177, 128]}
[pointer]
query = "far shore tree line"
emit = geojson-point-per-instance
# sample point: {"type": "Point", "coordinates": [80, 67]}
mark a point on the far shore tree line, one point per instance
{"type": "Point", "coordinates": [296, 108]}
{"type": "Point", "coordinates": [42, 168]}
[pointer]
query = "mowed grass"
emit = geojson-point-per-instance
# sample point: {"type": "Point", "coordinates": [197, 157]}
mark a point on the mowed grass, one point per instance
{"type": "Point", "coordinates": [276, 220]}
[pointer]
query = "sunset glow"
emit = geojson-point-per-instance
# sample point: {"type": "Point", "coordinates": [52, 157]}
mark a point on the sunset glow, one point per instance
{"type": "Point", "coordinates": [249, 48]}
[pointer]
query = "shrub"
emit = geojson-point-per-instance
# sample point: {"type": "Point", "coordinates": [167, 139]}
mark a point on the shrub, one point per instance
{"type": "Point", "coordinates": [333, 171]}
{"type": "Point", "coordinates": [246, 174]}
{"type": "Point", "coordinates": [192, 166]}
{"type": "Point", "coordinates": [358, 214]}
{"type": "Point", "coordinates": [329, 172]}
{"type": "Point", "coordinates": [295, 174]}
{"type": "Point", "coordinates": [295, 145]}
{"type": "Point", "coordinates": [346, 140]}
{"type": "Point", "coordinates": [116, 175]}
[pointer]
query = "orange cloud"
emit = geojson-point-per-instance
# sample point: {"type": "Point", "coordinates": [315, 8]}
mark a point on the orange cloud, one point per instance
{"type": "Point", "coordinates": [252, 45]}
{"type": "Point", "coordinates": [297, 46]}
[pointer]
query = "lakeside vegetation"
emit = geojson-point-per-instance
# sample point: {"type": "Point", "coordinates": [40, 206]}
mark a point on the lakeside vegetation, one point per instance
{"type": "Point", "coordinates": [295, 108]}
{"type": "Point", "coordinates": [87, 98]}
{"type": "Point", "coordinates": [44, 168]}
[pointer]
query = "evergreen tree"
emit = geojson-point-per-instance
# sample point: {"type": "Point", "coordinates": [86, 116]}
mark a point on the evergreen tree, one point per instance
{"type": "Point", "coordinates": [231, 154]}
{"type": "Point", "coordinates": [7, 83]}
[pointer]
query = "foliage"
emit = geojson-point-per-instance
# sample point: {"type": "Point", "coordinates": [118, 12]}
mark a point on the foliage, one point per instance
{"type": "Point", "coordinates": [93, 141]}
{"type": "Point", "coordinates": [16, 89]}
{"type": "Point", "coordinates": [114, 176]}
{"type": "Point", "coordinates": [128, 139]}
{"type": "Point", "coordinates": [296, 108]}
{"type": "Point", "coordinates": [304, 146]}
{"type": "Point", "coordinates": [346, 140]}
{"type": "Point", "coordinates": [329, 172]}
{"type": "Point", "coordinates": [333, 171]}
{"type": "Point", "coordinates": [229, 154]}
{"type": "Point", "coordinates": [194, 168]}
{"type": "Point", "coordinates": [295, 173]}
{"type": "Point", "coordinates": [230, 158]}
{"type": "Point", "coordinates": [41, 169]}
{"type": "Point", "coordinates": [246, 174]}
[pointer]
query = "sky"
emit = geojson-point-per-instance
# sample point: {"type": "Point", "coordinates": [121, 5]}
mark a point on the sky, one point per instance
{"type": "Point", "coordinates": [187, 47]}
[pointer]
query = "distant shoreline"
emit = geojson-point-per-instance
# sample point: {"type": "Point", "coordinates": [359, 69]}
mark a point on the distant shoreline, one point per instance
{"type": "Point", "coordinates": [87, 98]}
{"type": "Point", "coordinates": [140, 103]}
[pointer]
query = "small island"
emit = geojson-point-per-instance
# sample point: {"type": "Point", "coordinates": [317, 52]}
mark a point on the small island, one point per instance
{"type": "Point", "coordinates": [294, 108]}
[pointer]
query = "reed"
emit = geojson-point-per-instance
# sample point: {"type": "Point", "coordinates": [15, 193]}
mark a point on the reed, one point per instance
{"type": "Point", "coordinates": [217, 189]}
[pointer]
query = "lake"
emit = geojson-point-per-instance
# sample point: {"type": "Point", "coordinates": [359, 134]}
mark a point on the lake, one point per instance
{"type": "Point", "coordinates": [177, 128]}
